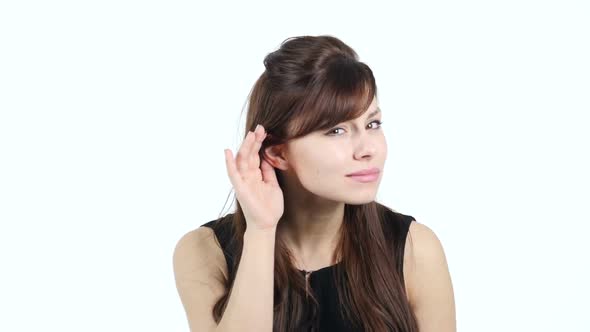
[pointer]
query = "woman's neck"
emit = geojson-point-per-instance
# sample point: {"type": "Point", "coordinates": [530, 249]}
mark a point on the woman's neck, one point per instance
{"type": "Point", "coordinates": [312, 235]}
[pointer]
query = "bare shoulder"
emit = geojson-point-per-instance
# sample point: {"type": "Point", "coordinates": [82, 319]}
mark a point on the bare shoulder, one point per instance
{"type": "Point", "coordinates": [200, 274]}
{"type": "Point", "coordinates": [428, 281]}
{"type": "Point", "coordinates": [200, 247]}
{"type": "Point", "coordinates": [421, 240]}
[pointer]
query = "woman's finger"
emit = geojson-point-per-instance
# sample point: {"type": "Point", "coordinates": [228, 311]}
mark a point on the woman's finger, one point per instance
{"type": "Point", "coordinates": [268, 172]}
{"type": "Point", "coordinates": [232, 172]}
{"type": "Point", "coordinates": [243, 157]}
{"type": "Point", "coordinates": [259, 138]}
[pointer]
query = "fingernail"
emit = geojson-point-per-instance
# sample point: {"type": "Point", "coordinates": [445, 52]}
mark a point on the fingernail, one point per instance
{"type": "Point", "coordinates": [257, 126]}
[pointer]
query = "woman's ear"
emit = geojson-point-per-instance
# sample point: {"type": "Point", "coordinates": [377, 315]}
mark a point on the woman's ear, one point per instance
{"type": "Point", "coordinates": [274, 155]}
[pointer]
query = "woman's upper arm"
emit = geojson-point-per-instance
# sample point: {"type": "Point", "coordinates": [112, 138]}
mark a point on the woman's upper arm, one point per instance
{"type": "Point", "coordinates": [428, 280]}
{"type": "Point", "coordinates": [199, 275]}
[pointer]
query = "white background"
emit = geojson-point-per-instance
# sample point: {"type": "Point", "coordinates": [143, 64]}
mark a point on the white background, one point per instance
{"type": "Point", "coordinates": [114, 117]}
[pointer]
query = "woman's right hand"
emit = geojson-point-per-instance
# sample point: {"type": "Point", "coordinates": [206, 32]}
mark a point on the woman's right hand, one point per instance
{"type": "Point", "coordinates": [255, 183]}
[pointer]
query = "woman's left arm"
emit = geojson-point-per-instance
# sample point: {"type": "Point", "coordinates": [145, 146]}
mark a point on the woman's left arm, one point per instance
{"type": "Point", "coordinates": [428, 281]}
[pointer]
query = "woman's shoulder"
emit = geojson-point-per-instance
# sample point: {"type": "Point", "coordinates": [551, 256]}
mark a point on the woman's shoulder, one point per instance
{"type": "Point", "coordinates": [423, 242]}
{"type": "Point", "coordinates": [202, 244]}
{"type": "Point", "coordinates": [199, 273]}
{"type": "Point", "coordinates": [396, 224]}
{"type": "Point", "coordinates": [425, 263]}
{"type": "Point", "coordinates": [417, 237]}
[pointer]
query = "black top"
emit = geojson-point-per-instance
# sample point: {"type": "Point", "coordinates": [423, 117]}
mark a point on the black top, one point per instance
{"type": "Point", "coordinates": [397, 226]}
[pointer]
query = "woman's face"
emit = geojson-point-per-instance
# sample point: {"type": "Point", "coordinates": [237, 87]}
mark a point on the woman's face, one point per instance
{"type": "Point", "coordinates": [321, 160]}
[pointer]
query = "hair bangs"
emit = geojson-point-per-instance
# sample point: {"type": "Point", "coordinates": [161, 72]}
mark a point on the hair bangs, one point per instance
{"type": "Point", "coordinates": [344, 91]}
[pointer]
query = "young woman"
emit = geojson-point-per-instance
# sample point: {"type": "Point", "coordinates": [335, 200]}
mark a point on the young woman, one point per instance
{"type": "Point", "coordinates": [308, 247]}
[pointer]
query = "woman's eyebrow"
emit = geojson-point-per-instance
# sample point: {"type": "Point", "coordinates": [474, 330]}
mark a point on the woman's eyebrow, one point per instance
{"type": "Point", "coordinates": [372, 114]}
{"type": "Point", "coordinates": [375, 112]}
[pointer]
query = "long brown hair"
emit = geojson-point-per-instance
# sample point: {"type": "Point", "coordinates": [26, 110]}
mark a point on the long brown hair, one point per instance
{"type": "Point", "coordinates": [313, 83]}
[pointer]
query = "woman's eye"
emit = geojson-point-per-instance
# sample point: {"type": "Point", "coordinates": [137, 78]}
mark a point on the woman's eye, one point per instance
{"type": "Point", "coordinates": [378, 122]}
{"type": "Point", "coordinates": [331, 132]}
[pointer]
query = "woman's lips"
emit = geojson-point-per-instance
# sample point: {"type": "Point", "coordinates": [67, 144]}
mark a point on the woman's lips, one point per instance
{"type": "Point", "coordinates": [365, 178]}
{"type": "Point", "coordinates": [365, 171]}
